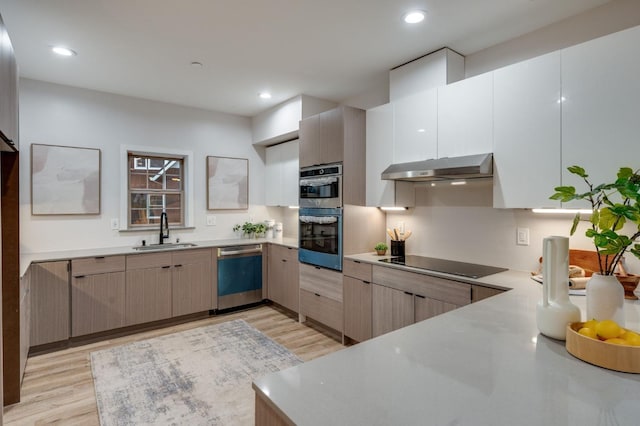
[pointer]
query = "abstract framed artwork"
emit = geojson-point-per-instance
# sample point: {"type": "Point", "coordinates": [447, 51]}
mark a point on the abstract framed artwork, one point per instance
{"type": "Point", "coordinates": [65, 180]}
{"type": "Point", "coordinates": [227, 183]}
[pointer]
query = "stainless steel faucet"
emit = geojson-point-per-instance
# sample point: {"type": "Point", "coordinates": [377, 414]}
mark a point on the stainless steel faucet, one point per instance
{"type": "Point", "coordinates": [164, 227]}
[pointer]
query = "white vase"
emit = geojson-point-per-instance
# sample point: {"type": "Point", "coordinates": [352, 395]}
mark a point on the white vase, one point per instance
{"type": "Point", "coordinates": [605, 298]}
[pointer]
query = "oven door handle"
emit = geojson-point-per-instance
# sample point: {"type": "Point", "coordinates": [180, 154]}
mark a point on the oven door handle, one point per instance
{"type": "Point", "coordinates": [318, 219]}
{"type": "Point", "coordinates": [319, 181]}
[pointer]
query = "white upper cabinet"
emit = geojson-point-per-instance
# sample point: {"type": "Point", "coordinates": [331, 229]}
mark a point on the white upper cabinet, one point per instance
{"type": "Point", "coordinates": [380, 148]}
{"type": "Point", "coordinates": [9, 129]}
{"type": "Point", "coordinates": [415, 134]}
{"type": "Point", "coordinates": [281, 174]}
{"type": "Point", "coordinates": [465, 117]}
{"type": "Point", "coordinates": [526, 150]}
{"type": "Point", "coordinates": [601, 106]}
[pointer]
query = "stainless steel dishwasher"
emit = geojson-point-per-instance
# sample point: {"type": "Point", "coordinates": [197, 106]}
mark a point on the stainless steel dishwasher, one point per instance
{"type": "Point", "coordinates": [239, 275]}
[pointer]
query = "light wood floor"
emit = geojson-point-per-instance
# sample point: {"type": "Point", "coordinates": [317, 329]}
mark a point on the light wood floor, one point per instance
{"type": "Point", "coordinates": [58, 387]}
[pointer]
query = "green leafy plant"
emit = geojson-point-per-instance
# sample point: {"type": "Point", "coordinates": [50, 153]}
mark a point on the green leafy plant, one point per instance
{"type": "Point", "coordinates": [381, 247]}
{"type": "Point", "coordinates": [613, 205]}
{"type": "Point", "coordinates": [249, 228]}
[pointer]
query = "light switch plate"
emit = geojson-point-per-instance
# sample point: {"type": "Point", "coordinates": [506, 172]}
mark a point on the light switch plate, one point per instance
{"type": "Point", "coordinates": [522, 236]}
{"type": "Point", "coordinates": [115, 224]}
{"type": "Point", "coordinates": [211, 220]}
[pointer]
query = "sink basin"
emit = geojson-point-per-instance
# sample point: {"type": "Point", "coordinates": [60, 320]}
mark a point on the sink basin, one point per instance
{"type": "Point", "coordinates": [165, 246]}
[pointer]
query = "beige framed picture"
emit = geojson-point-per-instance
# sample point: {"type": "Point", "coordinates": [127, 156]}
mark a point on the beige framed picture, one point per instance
{"type": "Point", "coordinates": [65, 180]}
{"type": "Point", "coordinates": [227, 183]}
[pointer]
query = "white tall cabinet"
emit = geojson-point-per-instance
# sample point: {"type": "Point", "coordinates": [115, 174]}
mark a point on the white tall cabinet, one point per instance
{"type": "Point", "coordinates": [281, 174]}
{"type": "Point", "coordinates": [601, 107]}
{"type": "Point", "coordinates": [526, 122]}
{"type": "Point", "coordinates": [465, 117]}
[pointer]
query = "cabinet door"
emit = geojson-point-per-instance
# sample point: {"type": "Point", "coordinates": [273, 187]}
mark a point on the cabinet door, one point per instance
{"type": "Point", "coordinates": [392, 309]}
{"type": "Point", "coordinates": [97, 303]}
{"type": "Point", "coordinates": [191, 282]}
{"type": "Point", "coordinates": [379, 155]}
{"type": "Point", "coordinates": [310, 141]}
{"type": "Point", "coordinates": [290, 165]}
{"type": "Point", "coordinates": [9, 90]}
{"type": "Point", "coordinates": [50, 313]}
{"type": "Point", "coordinates": [148, 295]}
{"type": "Point", "coordinates": [276, 276]}
{"type": "Point", "coordinates": [357, 308]}
{"type": "Point", "coordinates": [600, 124]}
{"type": "Point", "coordinates": [527, 133]}
{"type": "Point", "coordinates": [332, 136]}
{"type": "Point", "coordinates": [465, 117]}
{"type": "Point", "coordinates": [273, 175]}
{"type": "Point", "coordinates": [426, 307]}
{"type": "Point", "coordinates": [292, 279]}
{"type": "Point", "coordinates": [416, 127]}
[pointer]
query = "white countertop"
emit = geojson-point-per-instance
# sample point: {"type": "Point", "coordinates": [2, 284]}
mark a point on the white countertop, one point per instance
{"type": "Point", "coordinates": [28, 258]}
{"type": "Point", "coordinates": [483, 364]}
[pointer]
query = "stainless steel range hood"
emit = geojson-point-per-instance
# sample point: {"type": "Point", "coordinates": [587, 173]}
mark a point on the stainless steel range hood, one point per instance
{"type": "Point", "coordinates": [467, 167]}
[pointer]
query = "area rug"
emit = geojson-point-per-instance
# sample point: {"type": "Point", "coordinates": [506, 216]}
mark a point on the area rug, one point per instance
{"type": "Point", "coordinates": [197, 377]}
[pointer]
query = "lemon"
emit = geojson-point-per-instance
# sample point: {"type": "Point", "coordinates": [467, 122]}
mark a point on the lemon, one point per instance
{"type": "Point", "coordinates": [591, 324]}
{"type": "Point", "coordinates": [589, 332]}
{"type": "Point", "coordinates": [632, 338]}
{"type": "Point", "coordinates": [616, 341]}
{"type": "Point", "coordinates": [608, 329]}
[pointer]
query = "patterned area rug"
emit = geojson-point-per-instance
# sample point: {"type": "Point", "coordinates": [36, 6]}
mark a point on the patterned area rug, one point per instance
{"type": "Point", "coordinates": [196, 377]}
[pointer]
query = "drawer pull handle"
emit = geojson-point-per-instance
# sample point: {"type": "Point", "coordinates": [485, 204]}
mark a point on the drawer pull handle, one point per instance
{"type": "Point", "coordinates": [317, 267]}
{"type": "Point", "coordinates": [166, 267]}
{"type": "Point", "coordinates": [79, 276]}
{"type": "Point", "coordinates": [284, 260]}
{"type": "Point", "coordinates": [178, 266]}
{"type": "Point", "coordinates": [99, 257]}
{"type": "Point", "coordinates": [410, 294]}
{"type": "Point", "coordinates": [317, 294]}
{"type": "Point", "coordinates": [356, 261]}
{"type": "Point", "coordinates": [366, 282]}
{"type": "Point", "coordinates": [420, 296]}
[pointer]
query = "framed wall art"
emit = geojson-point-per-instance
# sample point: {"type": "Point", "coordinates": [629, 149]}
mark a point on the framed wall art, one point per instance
{"type": "Point", "coordinates": [65, 180]}
{"type": "Point", "coordinates": [227, 183]}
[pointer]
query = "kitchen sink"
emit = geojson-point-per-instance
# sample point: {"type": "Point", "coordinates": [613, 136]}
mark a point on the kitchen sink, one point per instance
{"type": "Point", "coordinates": [165, 246]}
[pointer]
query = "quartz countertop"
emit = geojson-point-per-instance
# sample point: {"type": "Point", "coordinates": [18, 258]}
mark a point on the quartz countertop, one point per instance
{"type": "Point", "coordinates": [482, 364]}
{"type": "Point", "coordinates": [28, 258]}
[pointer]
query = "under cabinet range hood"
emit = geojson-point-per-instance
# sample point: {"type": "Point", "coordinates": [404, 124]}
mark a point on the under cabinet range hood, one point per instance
{"type": "Point", "coordinates": [449, 168]}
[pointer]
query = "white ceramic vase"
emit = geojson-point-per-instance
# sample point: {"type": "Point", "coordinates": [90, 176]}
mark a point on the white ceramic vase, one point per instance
{"type": "Point", "coordinates": [605, 298]}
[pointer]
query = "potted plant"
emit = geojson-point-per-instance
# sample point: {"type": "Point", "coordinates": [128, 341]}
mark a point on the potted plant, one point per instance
{"type": "Point", "coordinates": [613, 205]}
{"type": "Point", "coordinates": [381, 249]}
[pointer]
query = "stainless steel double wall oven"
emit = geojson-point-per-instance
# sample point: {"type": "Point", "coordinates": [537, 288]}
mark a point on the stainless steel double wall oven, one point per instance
{"type": "Point", "coordinates": [320, 217]}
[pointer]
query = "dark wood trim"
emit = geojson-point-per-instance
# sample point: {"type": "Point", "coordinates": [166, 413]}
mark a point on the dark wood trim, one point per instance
{"type": "Point", "coordinates": [10, 217]}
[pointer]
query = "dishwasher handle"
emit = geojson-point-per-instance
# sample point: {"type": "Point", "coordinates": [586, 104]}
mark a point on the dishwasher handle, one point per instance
{"type": "Point", "coordinates": [236, 250]}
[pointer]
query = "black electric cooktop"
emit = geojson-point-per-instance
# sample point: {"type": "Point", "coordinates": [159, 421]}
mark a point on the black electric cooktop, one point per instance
{"type": "Point", "coordinates": [469, 270]}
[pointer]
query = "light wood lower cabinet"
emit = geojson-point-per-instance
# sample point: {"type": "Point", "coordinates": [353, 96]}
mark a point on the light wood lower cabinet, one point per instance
{"type": "Point", "coordinates": [97, 294]}
{"type": "Point", "coordinates": [357, 300]}
{"type": "Point", "coordinates": [49, 293]}
{"type": "Point", "coordinates": [192, 282]}
{"type": "Point", "coordinates": [283, 282]}
{"type": "Point", "coordinates": [148, 289]}
{"type": "Point", "coordinates": [321, 295]}
{"type": "Point", "coordinates": [402, 298]}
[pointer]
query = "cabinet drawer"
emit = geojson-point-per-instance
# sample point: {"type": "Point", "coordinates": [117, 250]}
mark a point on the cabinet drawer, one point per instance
{"type": "Point", "coordinates": [147, 261]}
{"type": "Point", "coordinates": [357, 269]}
{"type": "Point", "coordinates": [187, 257]}
{"type": "Point", "coordinates": [425, 285]}
{"type": "Point", "coordinates": [97, 265]}
{"type": "Point", "coordinates": [325, 282]}
{"type": "Point", "coordinates": [322, 309]}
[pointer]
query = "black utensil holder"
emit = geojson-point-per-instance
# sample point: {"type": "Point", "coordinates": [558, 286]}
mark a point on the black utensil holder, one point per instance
{"type": "Point", "coordinates": [397, 248]}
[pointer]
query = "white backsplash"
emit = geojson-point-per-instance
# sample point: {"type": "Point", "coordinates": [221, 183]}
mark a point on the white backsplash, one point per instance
{"type": "Point", "coordinates": [459, 223]}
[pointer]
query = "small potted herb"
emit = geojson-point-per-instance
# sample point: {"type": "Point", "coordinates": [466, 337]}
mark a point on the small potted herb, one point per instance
{"type": "Point", "coordinates": [381, 249]}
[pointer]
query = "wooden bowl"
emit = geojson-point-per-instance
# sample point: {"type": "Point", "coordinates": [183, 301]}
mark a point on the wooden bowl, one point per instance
{"type": "Point", "coordinates": [629, 282]}
{"type": "Point", "coordinates": [597, 352]}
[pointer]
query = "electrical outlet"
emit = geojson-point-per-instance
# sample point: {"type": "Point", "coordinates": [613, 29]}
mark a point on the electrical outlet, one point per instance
{"type": "Point", "coordinates": [522, 236]}
{"type": "Point", "coordinates": [211, 220]}
{"type": "Point", "coordinates": [115, 224]}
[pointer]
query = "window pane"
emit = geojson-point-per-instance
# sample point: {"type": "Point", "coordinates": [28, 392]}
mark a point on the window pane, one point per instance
{"type": "Point", "coordinates": [138, 201]}
{"type": "Point", "coordinates": [138, 217]}
{"type": "Point", "coordinates": [173, 201]}
{"type": "Point", "coordinates": [156, 163]}
{"type": "Point", "coordinates": [174, 216]}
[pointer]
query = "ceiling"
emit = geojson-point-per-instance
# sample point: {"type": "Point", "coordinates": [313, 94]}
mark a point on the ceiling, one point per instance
{"type": "Point", "coordinates": [331, 49]}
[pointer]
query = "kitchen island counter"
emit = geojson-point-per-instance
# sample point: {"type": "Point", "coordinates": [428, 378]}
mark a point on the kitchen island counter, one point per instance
{"type": "Point", "coordinates": [482, 364]}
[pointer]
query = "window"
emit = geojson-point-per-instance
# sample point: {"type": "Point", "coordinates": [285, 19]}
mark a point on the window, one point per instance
{"type": "Point", "coordinates": [156, 184]}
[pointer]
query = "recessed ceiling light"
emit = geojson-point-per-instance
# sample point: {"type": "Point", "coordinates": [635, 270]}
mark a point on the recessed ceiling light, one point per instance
{"type": "Point", "coordinates": [63, 51]}
{"type": "Point", "coordinates": [414, 16]}
{"type": "Point", "coordinates": [265, 95]}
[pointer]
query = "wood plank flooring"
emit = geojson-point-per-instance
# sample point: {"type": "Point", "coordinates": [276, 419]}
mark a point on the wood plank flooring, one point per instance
{"type": "Point", "coordinates": [58, 387]}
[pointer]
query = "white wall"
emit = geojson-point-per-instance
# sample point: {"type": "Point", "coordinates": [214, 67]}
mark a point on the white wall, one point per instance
{"type": "Point", "coordinates": [459, 223]}
{"type": "Point", "coordinates": [60, 115]}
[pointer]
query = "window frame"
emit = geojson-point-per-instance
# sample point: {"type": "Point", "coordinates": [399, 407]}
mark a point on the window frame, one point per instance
{"type": "Point", "coordinates": [188, 191]}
